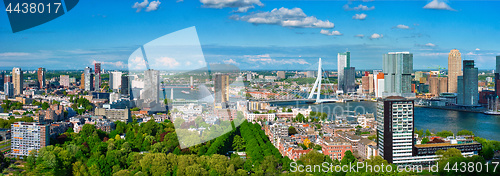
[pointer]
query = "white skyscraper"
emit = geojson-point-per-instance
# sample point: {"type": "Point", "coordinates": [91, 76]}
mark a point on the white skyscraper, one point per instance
{"type": "Point", "coordinates": [115, 80]}
{"type": "Point", "coordinates": [376, 79]}
{"type": "Point", "coordinates": [343, 61]}
{"type": "Point", "coordinates": [89, 79]}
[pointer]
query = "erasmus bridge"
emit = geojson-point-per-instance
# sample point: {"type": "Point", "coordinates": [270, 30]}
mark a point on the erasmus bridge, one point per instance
{"type": "Point", "coordinates": [314, 96]}
{"type": "Point", "coordinates": [316, 90]}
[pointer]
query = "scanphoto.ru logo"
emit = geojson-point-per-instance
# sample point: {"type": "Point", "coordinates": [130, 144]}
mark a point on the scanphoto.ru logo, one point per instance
{"type": "Point", "coordinates": [25, 14]}
{"type": "Point", "coordinates": [359, 167]}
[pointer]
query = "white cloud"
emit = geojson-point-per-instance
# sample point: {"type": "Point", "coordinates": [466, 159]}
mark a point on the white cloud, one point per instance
{"type": "Point", "coordinates": [137, 63]}
{"type": "Point", "coordinates": [359, 7]}
{"type": "Point", "coordinates": [438, 5]}
{"type": "Point", "coordinates": [201, 62]}
{"type": "Point", "coordinates": [477, 49]}
{"type": "Point", "coordinates": [402, 26]}
{"type": "Point", "coordinates": [360, 35]}
{"type": "Point", "coordinates": [257, 56]}
{"type": "Point", "coordinates": [167, 62]}
{"type": "Point", "coordinates": [295, 61]}
{"type": "Point", "coordinates": [433, 54]}
{"type": "Point", "coordinates": [471, 54]}
{"type": "Point", "coordinates": [244, 9]}
{"type": "Point", "coordinates": [242, 5]}
{"type": "Point", "coordinates": [327, 32]}
{"type": "Point", "coordinates": [118, 64]}
{"type": "Point", "coordinates": [154, 5]}
{"type": "Point", "coordinates": [430, 45]}
{"type": "Point", "coordinates": [285, 17]}
{"type": "Point", "coordinates": [376, 36]}
{"type": "Point", "coordinates": [266, 59]}
{"type": "Point", "coordinates": [231, 61]}
{"type": "Point", "coordinates": [140, 6]}
{"type": "Point", "coordinates": [80, 51]}
{"type": "Point", "coordinates": [359, 16]}
{"type": "Point", "coordinates": [13, 54]}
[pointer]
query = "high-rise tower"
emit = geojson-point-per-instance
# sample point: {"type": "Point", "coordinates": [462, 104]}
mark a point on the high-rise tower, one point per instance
{"type": "Point", "coordinates": [41, 77]}
{"type": "Point", "coordinates": [97, 72]}
{"type": "Point", "coordinates": [115, 80]}
{"type": "Point", "coordinates": [454, 69]}
{"type": "Point", "coordinates": [124, 86]}
{"type": "Point", "coordinates": [395, 129]}
{"type": "Point", "coordinates": [497, 77]}
{"type": "Point", "coordinates": [221, 87]}
{"type": "Point", "coordinates": [349, 85]}
{"type": "Point", "coordinates": [467, 84]}
{"type": "Point", "coordinates": [397, 68]}
{"type": "Point", "coordinates": [89, 79]}
{"type": "Point", "coordinates": [343, 61]}
{"type": "Point", "coordinates": [151, 86]}
{"type": "Point", "coordinates": [17, 80]}
{"type": "Point", "coordinates": [2, 80]}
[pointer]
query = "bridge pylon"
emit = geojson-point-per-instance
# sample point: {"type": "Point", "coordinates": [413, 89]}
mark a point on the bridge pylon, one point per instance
{"type": "Point", "coordinates": [316, 90]}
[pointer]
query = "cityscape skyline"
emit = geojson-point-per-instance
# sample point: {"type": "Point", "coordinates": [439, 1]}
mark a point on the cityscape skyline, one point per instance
{"type": "Point", "coordinates": [250, 87]}
{"type": "Point", "coordinates": [427, 32]}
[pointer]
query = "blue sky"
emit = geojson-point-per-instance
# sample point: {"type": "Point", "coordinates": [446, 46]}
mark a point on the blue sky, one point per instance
{"type": "Point", "coordinates": [271, 35]}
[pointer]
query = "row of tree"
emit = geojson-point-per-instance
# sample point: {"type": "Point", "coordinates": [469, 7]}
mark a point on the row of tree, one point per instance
{"type": "Point", "coordinates": [443, 133]}
{"type": "Point", "coordinates": [153, 149]}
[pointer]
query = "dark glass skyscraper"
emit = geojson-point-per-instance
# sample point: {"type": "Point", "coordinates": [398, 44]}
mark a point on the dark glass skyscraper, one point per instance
{"type": "Point", "coordinates": [2, 80]}
{"type": "Point", "coordinates": [343, 62]}
{"type": "Point", "coordinates": [97, 80]}
{"type": "Point", "coordinates": [497, 77]}
{"type": "Point", "coordinates": [124, 87]}
{"type": "Point", "coordinates": [349, 77]}
{"type": "Point", "coordinates": [498, 65]}
{"type": "Point", "coordinates": [467, 85]}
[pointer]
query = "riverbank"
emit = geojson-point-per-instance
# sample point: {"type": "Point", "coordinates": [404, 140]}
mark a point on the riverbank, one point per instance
{"type": "Point", "coordinates": [451, 108]}
{"type": "Point", "coordinates": [436, 119]}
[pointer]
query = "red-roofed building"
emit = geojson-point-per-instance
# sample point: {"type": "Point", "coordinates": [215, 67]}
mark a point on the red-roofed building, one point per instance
{"type": "Point", "coordinates": [335, 147]}
{"type": "Point", "coordinates": [295, 154]}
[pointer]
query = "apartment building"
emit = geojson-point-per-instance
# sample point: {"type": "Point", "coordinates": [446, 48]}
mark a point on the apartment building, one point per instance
{"type": "Point", "coordinates": [28, 137]}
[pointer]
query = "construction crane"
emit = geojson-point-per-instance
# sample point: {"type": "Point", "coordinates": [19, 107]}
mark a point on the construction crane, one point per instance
{"type": "Point", "coordinates": [438, 68]}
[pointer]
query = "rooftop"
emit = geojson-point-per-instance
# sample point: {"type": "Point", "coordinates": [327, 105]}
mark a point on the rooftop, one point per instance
{"type": "Point", "coordinates": [443, 144]}
{"type": "Point", "coordinates": [394, 98]}
{"type": "Point", "coordinates": [404, 52]}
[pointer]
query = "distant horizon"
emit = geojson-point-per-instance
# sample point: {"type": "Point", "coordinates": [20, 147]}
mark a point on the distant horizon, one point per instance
{"type": "Point", "coordinates": [256, 35]}
{"type": "Point", "coordinates": [47, 70]}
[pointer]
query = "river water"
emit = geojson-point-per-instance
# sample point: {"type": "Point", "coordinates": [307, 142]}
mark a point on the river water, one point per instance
{"type": "Point", "coordinates": [485, 126]}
